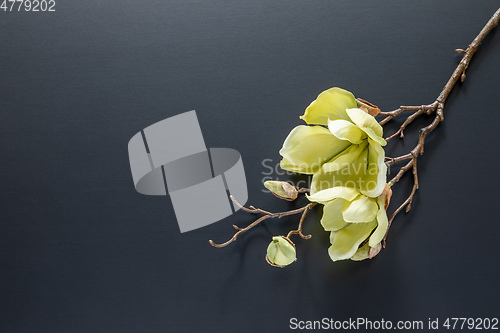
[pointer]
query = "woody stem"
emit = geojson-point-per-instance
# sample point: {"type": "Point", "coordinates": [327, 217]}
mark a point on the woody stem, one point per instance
{"type": "Point", "coordinates": [436, 107]}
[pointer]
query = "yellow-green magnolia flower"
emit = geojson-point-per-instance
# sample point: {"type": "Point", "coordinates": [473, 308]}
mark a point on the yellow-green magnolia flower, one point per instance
{"type": "Point", "coordinates": [347, 153]}
{"type": "Point", "coordinates": [281, 252]}
{"type": "Point", "coordinates": [352, 218]}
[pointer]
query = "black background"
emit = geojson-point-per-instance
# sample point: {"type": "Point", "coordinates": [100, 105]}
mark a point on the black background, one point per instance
{"type": "Point", "coordinates": [82, 251]}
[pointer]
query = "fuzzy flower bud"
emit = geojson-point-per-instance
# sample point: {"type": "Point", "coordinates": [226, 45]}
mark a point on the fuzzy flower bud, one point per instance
{"type": "Point", "coordinates": [282, 190]}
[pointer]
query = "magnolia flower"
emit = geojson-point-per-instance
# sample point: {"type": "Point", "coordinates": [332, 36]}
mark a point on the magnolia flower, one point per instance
{"type": "Point", "coordinates": [352, 218]}
{"type": "Point", "coordinates": [281, 252]}
{"type": "Point", "coordinates": [347, 153]}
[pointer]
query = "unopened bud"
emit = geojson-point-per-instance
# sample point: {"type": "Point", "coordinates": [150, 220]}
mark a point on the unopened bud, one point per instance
{"type": "Point", "coordinates": [281, 252]}
{"type": "Point", "coordinates": [282, 190]}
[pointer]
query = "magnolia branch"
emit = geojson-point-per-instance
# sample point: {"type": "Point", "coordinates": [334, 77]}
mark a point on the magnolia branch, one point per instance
{"type": "Point", "coordinates": [436, 107]}
{"type": "Point", "coordinates": [267, 215]}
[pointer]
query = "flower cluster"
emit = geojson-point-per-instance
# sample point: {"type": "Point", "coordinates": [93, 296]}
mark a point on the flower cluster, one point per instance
{"type": "Point", "coordinates": [353, 219]}
{"type": "Point", "coordinates": [341, 147]}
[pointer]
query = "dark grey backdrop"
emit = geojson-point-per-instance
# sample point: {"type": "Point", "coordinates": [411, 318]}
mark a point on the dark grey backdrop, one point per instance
{"type": "Point", "coordinates": [82, 251]}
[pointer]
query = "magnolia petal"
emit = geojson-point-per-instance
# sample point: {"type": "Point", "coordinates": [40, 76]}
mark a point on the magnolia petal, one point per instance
{"type": "Point", "coordinates": [350, 176]}
{"type": "Point", "coordinates": [383, 224]}
{"type": "Point", "coordinates": [376, 172]}
{"type": "Point", "coordinates": [330, 104]}
{"type": "Point", "coordinates": [345, 130]}
{"type": "Point", "coordinates": [345, 158]}
{"type": "Point", "coordinates": [360, 210]}
{"type": "Point", "coordinates": [332, 215]}
{"type": "Point", "coordinates": [306, 148]}
{"type": "Point", "coordinates": [287, 165]}
{"type": "Point", "coordinates": [346, 241]}
{"type": "Point", "coordinates": [329, 194]}
{"type": "Point", "coordinates": [368, 124]}
{"type": "Point", "coordinates": [375, 138]}
{"type": "Point", "coordinates": [325, 180]}
{"type": "Point", "coordinates": [362, 253]}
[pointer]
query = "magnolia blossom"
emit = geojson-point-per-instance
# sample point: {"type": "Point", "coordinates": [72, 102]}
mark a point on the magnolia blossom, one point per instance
{"type": "Point", "coordinates": [348, 152]}
{"type": "Point", "coordinates": [352, 218]}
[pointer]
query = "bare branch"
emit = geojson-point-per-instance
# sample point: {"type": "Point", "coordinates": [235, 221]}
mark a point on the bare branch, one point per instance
{"type": "Point", "coordinates": [266, 216]}
{"type": "Point", "coordinates": [436, 107]}
{"type": "Point", "coordinates": [299, 229]}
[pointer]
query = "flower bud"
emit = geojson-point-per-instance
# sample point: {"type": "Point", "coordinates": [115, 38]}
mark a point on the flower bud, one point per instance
{"type": "Point", "coordinates": [281, 252]}
{"type": "Point", "coordinates": [282, 190]}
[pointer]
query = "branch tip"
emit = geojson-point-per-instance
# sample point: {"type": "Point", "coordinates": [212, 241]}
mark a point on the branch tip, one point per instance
{"type": "Point", "coordinates": [267, 215]}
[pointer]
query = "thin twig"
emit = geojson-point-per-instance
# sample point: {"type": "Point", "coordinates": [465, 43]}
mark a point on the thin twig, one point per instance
{"type": "Point", "coordinates": [302, 189]}
{"type": "Point", "coordinates": [299, 229]}
{"type": "Point", "coordinates": [436, 107]}
{"type": "Point", "coordinates": [417, 111]}
{"type": "Point", "coordinates": [266, 216]}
